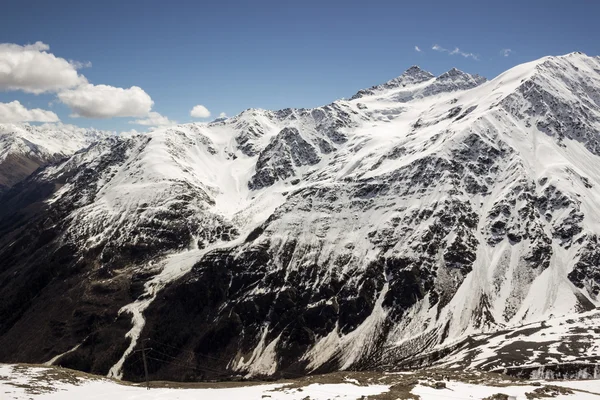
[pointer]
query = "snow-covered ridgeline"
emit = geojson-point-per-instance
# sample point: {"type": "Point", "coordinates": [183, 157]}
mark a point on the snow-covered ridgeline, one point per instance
{"type": "Point", "coordinates": [418, 213]}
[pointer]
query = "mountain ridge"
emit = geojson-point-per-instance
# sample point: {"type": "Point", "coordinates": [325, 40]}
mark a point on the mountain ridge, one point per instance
{"type": "Point", "coordinates": [354, 235]}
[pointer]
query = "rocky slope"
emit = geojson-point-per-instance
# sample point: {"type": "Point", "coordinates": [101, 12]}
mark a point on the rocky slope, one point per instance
{"type": "Point", "coordinates": [360, 234]}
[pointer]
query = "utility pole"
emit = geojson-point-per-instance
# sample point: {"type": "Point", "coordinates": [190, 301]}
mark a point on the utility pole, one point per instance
{"type": "Point", "coordinates": [145, 363]}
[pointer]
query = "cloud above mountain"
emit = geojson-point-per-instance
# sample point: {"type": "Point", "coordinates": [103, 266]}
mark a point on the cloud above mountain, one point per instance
{"type": "Point", "coordinates": [104, 101]}
{"type": "Point", "coordinates": [154, 119]}
{"type": "Point", "coordinates": [32, 69]}
{"type": "Point", "coordinates": [456, 51]}
{"type": "Point", "coordinates": [199, 111]}
{"type": "Point", "coordinates": [16, 112]}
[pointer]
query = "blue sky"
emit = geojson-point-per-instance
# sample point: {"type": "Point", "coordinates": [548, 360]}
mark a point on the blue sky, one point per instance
{"type": "Point", "coordinates": [233, 55]}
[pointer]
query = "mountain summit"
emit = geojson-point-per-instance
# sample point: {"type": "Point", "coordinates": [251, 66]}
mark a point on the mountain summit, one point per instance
{"type": "Point", "coordinates": [426, 220]}
{"type": "Point", "coordinates": [417, 83]}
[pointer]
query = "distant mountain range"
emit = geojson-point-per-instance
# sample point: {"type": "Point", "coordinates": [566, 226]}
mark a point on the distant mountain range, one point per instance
{"type": "Point", "coordinates": [24, 148]}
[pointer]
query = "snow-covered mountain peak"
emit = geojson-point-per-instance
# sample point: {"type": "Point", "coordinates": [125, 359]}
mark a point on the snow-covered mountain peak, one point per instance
{"type": "Point", "coordinates": [559, 95]}
{"type": "Point", "coordinates": [356, 234]}
{"type": "Point", "coordinates": [413, 75]}
{"type": "Point", "coordinates": [416, 83]}
{"type": "Point", "coordinates": [415, 70]}
{"type": "Point", "coordinates": [456, 74]}
{"type": "Point", "coordinates": [453, 80]}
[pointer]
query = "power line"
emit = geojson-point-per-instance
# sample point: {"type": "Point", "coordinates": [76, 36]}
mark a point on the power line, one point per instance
{"type": "Point", "coordinates": [191, 365]}
{"type": "Point", "coordinates": [145, 363]}
{"type": "Point", "coordinates": [189, 352]}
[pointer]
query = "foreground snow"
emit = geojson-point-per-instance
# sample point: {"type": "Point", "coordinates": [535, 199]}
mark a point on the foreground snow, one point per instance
{"type": "Point", "coordinates": [33, 383]}
{"type": "Point", "coordinates": [460, 390]}
{"type": "Point", "coordinates": [111, 390]}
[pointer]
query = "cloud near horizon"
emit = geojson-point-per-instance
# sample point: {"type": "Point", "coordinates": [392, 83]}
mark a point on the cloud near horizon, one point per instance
{"type": "Point", "coordinates": [199, 111]}
{"type": "Point", "coordinates": [154, 119]}
{"type": "Point", "coordinates": [16, 112]}
{"type": "Point", "coordinates": [456, 51]}
{"type": "Point", "coordinates": [70, 128]}
{"type": "Point", "coordinates": [31, 68]}
{"type": "Point", "coordinates": [104, 101]}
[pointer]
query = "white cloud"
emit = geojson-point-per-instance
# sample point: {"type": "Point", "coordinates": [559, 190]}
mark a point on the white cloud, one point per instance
{"type": "Point", "coordinates": [130, 133]}
{"type": "Point", "coordinates": [69, 128]}
{"type": "Point", "coordinates": [455, 52]}
{"type": "Point", "coordinates": [417, 49]}
{"type": "Point", "coordinates": [80, 65]}
{"type": "Point", "coordinates": [200, 111]}
{"type": "Point", "coordinates": [506, 52]}
{"type": "Point", "coordinates": [16, 112]}
{"type": "Point", "coordinates": [154, 119]}
{"type": "Point", "coordinates": [223, 115]}
{"type": "Point", "coordinates": [103, 101]}
{"type": "Point", "coordinates": [32, 69]}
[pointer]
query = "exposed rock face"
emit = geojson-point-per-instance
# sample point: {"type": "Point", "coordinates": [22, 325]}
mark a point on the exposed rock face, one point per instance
{"type": "Point", "coordinates": [586, 274]}
{"type": "Point", "coordinates": [361, 234]}
{"type": "Point", "coordinates": [277, 161]}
